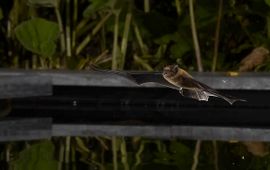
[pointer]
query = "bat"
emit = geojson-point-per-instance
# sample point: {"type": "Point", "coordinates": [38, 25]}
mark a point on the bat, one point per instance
{"type": "Point", "coordinates": [175, 78]}
{"type": "Point", "coordinates": [189, 87]}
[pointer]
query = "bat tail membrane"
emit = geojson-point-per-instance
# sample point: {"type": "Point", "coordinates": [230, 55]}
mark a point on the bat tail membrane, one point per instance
{"type": "Point", "coordinates": [215, 93]}
{"type": "Point", "coordinates": [229, 99]}
{"type": "Point", "coordinates": [232, 100]}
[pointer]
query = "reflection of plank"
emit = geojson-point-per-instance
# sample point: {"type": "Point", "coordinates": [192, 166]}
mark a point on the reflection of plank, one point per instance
{"type": "Point", "coordinates": [183, 132]}
{"type": "Point", "coordinates": [25, 129]}
{"type": "Point", "coordinates": [12, 86]}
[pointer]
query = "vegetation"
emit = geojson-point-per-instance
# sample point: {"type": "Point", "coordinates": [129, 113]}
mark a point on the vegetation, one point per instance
{"type": "Point", "coordinates": [139, 35]}
{"type": "Point", "coordinates": [128, 34]}
{"type": "Point", "coordinates": [131, 153]}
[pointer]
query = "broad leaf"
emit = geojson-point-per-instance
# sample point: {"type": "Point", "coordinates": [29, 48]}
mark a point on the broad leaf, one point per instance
{"type": "Point", "coordinates": [38, 35]}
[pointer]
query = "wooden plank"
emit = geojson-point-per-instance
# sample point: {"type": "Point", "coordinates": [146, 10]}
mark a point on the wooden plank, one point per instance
{"type": "Point", "coordinates": [14, 86]}
{"type": "Point", "coordinates": [244, 81]}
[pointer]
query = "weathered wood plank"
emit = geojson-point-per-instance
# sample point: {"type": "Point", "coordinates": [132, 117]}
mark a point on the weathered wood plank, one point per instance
{"type": "Point", "coordinates": [13, 86]}
{"type": "Point", "coordinates": [244, 81]}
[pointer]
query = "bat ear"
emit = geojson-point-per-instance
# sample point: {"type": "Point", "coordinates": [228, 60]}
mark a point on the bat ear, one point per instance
{"type": "Point", "coordinates": [175, 68]}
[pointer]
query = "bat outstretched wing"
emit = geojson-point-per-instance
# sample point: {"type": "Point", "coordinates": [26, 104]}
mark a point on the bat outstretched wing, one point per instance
{"type": "Point", "coordinates": [153, 78]}
{"type": "Point", "coordinates": [141, 79]}
{"type": "Point", "coordinates": [207, 91]}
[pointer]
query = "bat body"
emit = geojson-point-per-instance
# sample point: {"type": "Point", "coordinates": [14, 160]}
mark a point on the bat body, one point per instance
{"type": "Point", "coordinates": [192, 88]}
{"type": "Point", "coordinates": [178, 79]}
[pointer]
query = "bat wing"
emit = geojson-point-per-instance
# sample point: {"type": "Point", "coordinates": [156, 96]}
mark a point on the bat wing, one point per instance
{"type": "Point", "coordinates": [115, 72]}
{"type": "Point", "coordinates": [140, 78]}
{"type": "Point", "coordinates": [194, 94]}
{"type": "Point", "coordinates": [189, 82]}
{"type": "Point", "coordinates": [153, 78]}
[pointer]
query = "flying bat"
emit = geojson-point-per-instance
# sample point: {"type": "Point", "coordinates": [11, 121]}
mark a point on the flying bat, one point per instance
{"type": "Point", "coordinates": [175, 78]}
{"type": "Point", "coordinates": [189, 87]}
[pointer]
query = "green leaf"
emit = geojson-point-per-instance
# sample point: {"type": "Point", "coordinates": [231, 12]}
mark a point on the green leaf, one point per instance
{"type": "Point", "coordinates": [39, 156]}
{"type": "Point", "coordinates": [267, 2]}
{"type": "Point", "coordinates": [43, 3]}
{"type": "Point", "coordinates": [38, 35]}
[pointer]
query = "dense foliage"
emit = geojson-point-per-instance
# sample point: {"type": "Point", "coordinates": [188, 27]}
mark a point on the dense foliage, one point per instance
{"type": "Point", "coordinates": [130, 153]}
{"type": "Point", "coordinates": [128, 34]}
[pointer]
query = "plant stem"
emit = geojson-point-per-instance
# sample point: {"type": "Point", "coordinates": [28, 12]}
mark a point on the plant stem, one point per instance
{"type": "Point", "coordinates": [139, 38]}
{"type": "Point", "coordinates": [12, 21]}
{"type": "Point", "coordinates": [215, 149]}
{"type": "Point", "coordinates": [102, 58]}
{"type": "Point", "coordinates": [68, 35]}
{"type": "Point", "coordinates": [10, 51]}
{"type": "Point", "coordinates": [74, 22]}
{"type": "Point", "coordinates": [178, 7]}
{"type": "Point", "coordinates": [114, 150]}
{"type": "Point", "coordinates": [34, 61]}
{"type": "Point", "coordinates": [82, 27]}
{"type": "Point", "coordinates": [125, 39]}
{"type": "Point", "coordinates": [143, 63]}
{"type": "Point", "coordinates": [138, 154]}
{"type": "Point", "coordinates": [268, 25]}
{"type": "Point", "coordinates": [67, 152]}
{"type": "Point", "coordinates": [61, 156]}
{"type": "Point", "coordinates": [124, 154]}
{"type": "Point", "coordinates": [115, 53]}
{"type": "Point", "coordinates": [196, 155]}
{"type": "Point", "coordinates": [62, 36]}
{"type": "Point", "coordinates": [103, 39]}
{"type": "Point", "coordinates": [216, 45]}
{"type": "Point", "coordinates": [195, 37]}
{"type": "Point", "coordinates": [42, 62]}
{"type": "Point", "coordinates": [146, 6]}
{"type": "Point", "coordinates": [7, 152]}
{"type": "Point", "coordinates": [87, 39]}
{"type": "Point", "coordinates": [73, 157]}
{"type": "Point", "coordinates": [7, 155]}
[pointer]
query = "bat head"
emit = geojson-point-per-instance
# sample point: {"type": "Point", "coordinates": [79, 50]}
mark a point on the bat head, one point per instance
{"type": "Point", "coordinates": [170, 70]}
